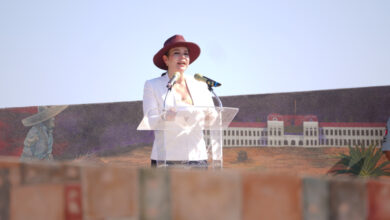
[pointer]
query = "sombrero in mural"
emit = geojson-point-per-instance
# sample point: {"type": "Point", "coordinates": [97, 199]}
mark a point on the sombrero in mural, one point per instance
{"type": "Point", "coordinates": [44, 113]}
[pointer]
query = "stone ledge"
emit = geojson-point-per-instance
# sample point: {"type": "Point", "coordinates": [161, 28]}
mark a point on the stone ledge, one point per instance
{"type": "Point", "coordinates": [55, 190]}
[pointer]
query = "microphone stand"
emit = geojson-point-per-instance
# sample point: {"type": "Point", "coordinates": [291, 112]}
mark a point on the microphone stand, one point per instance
{"type": "Point", "coordinates": [164, 111]}
{"type": "Point", "coordinates": [165, 99]}
{"type": "Point", "coordinates": [218, 164]}
{"type": "Point", "coordinates": [215, 95]}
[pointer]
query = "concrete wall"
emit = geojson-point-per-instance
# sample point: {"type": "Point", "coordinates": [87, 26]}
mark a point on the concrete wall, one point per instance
{"type": "Point", "coordinates": [53, 190]}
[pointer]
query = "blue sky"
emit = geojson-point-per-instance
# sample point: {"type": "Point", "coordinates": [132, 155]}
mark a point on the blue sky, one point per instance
{"type": "Point", "coordinates": [73, 52]}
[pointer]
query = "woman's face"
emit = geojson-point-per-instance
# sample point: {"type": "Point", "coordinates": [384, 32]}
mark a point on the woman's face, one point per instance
{"type": "Point", "coordinates": [177, 59]}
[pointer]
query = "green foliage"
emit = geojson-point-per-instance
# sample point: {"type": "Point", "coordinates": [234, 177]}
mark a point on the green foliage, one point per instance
{"type": "Point", "coordinates": [363, 162]}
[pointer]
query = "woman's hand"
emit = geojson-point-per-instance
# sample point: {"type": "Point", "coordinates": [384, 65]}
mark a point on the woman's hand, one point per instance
{"type": "Point", "coordinates": [210, 116]}
{"type": "Point", "coordinates": [170, 115]}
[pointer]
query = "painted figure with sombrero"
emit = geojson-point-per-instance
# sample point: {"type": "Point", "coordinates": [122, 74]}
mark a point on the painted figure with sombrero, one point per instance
{"type": "Point", "coordinates": [175, 57]}
{"type": "Point", "coordinates": [38, 143]}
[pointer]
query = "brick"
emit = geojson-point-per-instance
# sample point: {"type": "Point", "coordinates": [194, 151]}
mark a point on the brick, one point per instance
{"type": "Point", "coordinates": [72, 173]}
{"type": "Point", "coordinates": [347, 199]}
{"type": "Point", "coordinates": [9, 161]}
{"type": "Point", "coordinates": [15, 176]}
{"type": "Point", "coordinates": [271, 196]}
{"type": "Point", "coordinates": [155, 195]}
{"type": "Point", "coordinates": [205, 195]}
{"type": "Point", "coordinates": [73, 202]}
{"type": "Point", "coordinates": [109, 192]}
{"type": "Point", "coordinates": [378, 194]}
{"type": "Point", "coordinates": [4, 193]}
{"type": "Point", "coordinates": [37, 172]}
{"type": "Point", "coordinates": [48, 172]}
{"type": "Point", "coordinates": [43, 201]}
{"type": "Point", "coordinates": [315, 199]}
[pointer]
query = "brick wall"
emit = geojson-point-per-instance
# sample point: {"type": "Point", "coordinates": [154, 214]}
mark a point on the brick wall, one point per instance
{"type": "Point", "coordinates": [95, 191]}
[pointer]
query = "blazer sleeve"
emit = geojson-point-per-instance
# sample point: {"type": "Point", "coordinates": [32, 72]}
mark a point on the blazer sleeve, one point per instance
{"type": "Point", "coordinates": [150, 104]}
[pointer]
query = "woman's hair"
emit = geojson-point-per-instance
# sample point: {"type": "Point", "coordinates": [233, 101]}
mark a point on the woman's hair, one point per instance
{"type": "Point", "coordinates": [167, 53]}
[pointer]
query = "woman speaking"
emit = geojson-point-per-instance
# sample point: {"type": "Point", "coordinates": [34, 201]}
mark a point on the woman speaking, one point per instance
{"type": "Point", "coordinates": [180, 148]}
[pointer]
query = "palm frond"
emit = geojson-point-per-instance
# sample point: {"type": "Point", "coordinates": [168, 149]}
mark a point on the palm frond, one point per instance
{"type": "Point", "coordinates": [363, 161]}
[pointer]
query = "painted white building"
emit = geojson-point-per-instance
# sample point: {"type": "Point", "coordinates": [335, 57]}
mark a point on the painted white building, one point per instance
{"type": "Point", "coordinates": [351, 134]}
{"type": "Point", "coordinates": [302, 131]}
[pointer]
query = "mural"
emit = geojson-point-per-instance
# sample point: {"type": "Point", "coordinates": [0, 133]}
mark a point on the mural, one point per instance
{"type": "Point", "coordinates": [301, 127]}
{"type": "Point", "coordinates": [303, 131]}
{"type": "Point", "coordinates": [39, 140]}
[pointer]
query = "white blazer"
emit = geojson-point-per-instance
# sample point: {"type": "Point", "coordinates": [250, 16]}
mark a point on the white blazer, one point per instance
{"type": "Point", "coordinates": [175, 145]}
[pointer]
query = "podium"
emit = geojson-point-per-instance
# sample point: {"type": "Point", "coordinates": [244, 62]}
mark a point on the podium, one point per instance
{"type": "Point", "coordinates": [185, 134]}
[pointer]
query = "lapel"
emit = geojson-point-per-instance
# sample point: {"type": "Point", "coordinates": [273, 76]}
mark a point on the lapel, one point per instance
{"type": "Point", "coordinates": [191, 88]}
{"type": "Point", "coordinates": [170, 102]}
{"type": "Point", "coordinates": [172, 97]}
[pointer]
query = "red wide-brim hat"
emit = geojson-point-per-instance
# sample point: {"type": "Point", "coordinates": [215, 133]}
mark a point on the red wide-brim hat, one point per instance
{"type": "Point", "coordinates": [176, 41]}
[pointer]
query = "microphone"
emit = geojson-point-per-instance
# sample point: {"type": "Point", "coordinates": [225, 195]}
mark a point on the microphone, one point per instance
{"type": "Point", "coordinates": [208, 81]}
{"type": "Point", "coordinates": [173, 80]}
